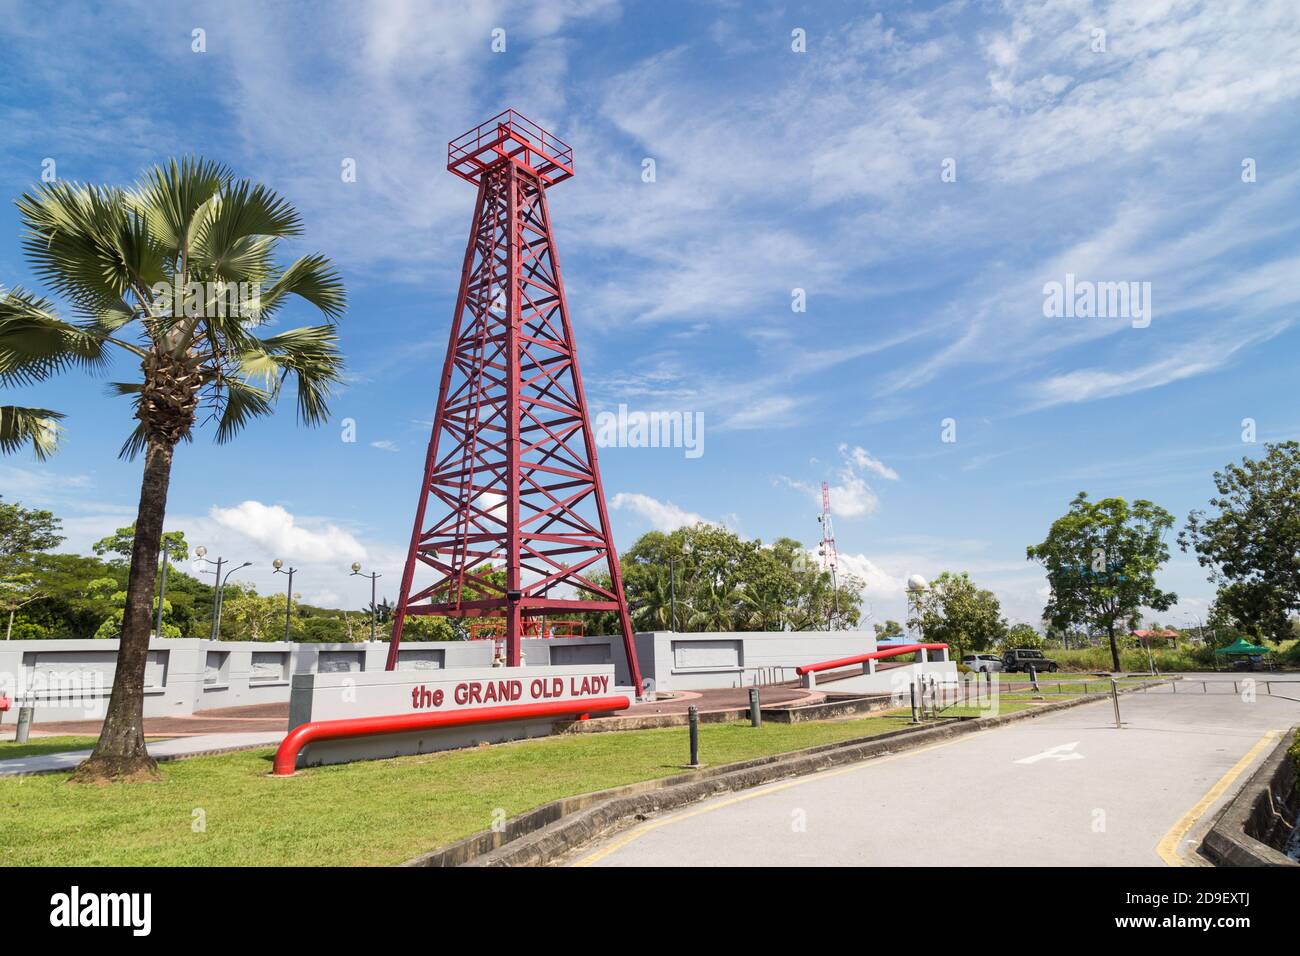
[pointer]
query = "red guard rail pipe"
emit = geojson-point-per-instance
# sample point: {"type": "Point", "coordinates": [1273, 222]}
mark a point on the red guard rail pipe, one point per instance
{"type": "Point", "coordinates": [286, 758]}
{"type": "Point", "coordinates": [863, 658]}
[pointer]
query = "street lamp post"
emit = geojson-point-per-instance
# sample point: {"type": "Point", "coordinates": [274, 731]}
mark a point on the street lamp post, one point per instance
{"type": "Point", "coordinates": [916, 588]}
{"type": "Point", "coordinates": [221, 580]}
{"type": "Point", "coordinates": [672, 593]}
{"type": "Point", "coordinates": [672, 584]}
{"type": "Point", "coordinates": [288, 592]}
{"type": "Point", "coordinates": [374, 609]}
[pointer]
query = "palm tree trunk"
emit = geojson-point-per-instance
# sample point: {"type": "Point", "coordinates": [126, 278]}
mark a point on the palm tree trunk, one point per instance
{"type": "Point", "coordinates": [121, 750]}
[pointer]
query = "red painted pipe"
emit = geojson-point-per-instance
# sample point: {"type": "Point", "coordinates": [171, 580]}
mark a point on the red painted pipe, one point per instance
{"type": "Point", "coordinates": [863, 658]}
{"type": "Point", "coordinates": [286, 758]}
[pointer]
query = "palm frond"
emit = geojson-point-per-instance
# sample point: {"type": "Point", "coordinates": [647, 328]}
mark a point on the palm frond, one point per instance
{"type": "Point", "coordinates": [243, 402]}
{"type": "Point", "coordinates": [242, 210]}
{"type": "Point", "coordinates": [310, 355]}
{"type": "Point", "coordinates": [37, 428]}
{"type": "Point", "coordinates": [248, 259]}
{"type": "Point", "coordinates": [135, 443]}
{"type": "Point", "coordinates": [312, 278]}
{"type": "Point", "coordinates": [88, 245]}
{"type": "Point", "coordinates": [170, 198]}
{"type": "Point", "coordinates": [35, 343]}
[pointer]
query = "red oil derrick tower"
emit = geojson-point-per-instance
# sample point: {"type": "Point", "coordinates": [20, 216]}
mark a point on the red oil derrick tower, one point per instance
{"type": "Point", "coordinates": [511, 481]}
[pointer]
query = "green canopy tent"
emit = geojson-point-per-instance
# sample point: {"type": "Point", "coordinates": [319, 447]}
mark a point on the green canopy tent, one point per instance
{"type": "Point", "coordinates": [1242, 646]}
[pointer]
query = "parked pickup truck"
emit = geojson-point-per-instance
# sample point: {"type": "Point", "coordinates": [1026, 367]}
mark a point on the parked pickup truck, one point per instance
{"type": "Point", "coordinates": [1022, 659]}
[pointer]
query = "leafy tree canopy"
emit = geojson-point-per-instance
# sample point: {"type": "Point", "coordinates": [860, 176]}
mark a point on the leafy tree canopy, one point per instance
{"type": "Point", "coordinates": [1101, 559]}
{"type": "Point", "coordinates": [888, 631]}
{"type": "Point", "coordinates": [957, 613]}
{"type": "Point", "coordinates": [121, 541]}
{"type": "Point", "coordinates": [1250, 540]}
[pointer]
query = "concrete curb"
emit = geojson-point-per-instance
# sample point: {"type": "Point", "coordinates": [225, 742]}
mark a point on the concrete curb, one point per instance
{"type": "Point", "coordinates": [1261, 805]}
{"type": "Point", "coordinates": [551, 831]}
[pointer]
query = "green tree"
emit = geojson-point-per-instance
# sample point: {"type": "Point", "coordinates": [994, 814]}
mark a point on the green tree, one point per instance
{"type": "Point", "coordinates": [179, 274]}
{"type": "Point", "coordinates": [24, 534]}
{"type": "Point", "coordinates": [1101, 560]}
{"type": "Point", "coordinates": [654, 602]}
{"type": "Point", "coordinates": [430, 628]}
{"type": "Point", "coordinates": [957, 613]}
{"type": "Point", "coordinates": [1251, 542]}
{"type": "Point", "coordinates": [889, 631]}
{"type": "Point", "coordinates": [122, 542]}
{"type": "Point", "coordinates": [727, 583]}
{"type": "Point", "coordinates": [249, 616]}
{"type": "Point", "coordinates": [1022, 636]}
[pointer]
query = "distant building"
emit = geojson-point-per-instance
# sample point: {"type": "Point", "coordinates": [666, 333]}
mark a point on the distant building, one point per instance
{"type": "Point", "coordinates": [1166, 636]}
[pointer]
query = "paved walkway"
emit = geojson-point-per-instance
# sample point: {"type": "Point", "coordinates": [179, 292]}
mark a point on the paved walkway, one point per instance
{"type": "Point", "coordinates": [256, 718]}
{"type": "Point", "coordinates": [161, 749]}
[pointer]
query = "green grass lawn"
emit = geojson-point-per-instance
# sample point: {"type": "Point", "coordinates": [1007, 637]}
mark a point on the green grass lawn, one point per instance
{"type": "Point", "coordinates": [37, 746]}
{"type": "Point", "coordinates": [227, 809]}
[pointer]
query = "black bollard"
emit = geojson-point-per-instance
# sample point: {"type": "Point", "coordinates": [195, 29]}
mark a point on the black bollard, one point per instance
{"type": "Point", "coordinates": [693, 717]}
{"type": "Point", "coordinates": [755, 710]}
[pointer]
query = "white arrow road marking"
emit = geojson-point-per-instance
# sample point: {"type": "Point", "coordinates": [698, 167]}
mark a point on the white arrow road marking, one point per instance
{"type": "Point", "coordinates": [1060, 752]}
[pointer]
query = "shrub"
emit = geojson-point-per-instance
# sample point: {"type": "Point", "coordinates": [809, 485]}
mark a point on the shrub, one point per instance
{"type": "Point", "coordinates": [27, 631]}
{"type": "Point", "coordinates": [321, 630]}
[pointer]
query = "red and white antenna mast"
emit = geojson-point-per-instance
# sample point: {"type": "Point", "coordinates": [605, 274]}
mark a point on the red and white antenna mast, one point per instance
{"type": "Point", "coordinates": [830, 557]}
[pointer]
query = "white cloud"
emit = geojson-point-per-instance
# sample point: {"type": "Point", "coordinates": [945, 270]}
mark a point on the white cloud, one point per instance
{"type": "Point", "coordinates": [385, 444]}
{"type": "Point", "coordinates": [863, 460]}
{"type": "Point", "coordinates": [1200, 356]}
{"type": "Point", "coordinates": [278, 531]}
{"type": "Point", "coordinates": [762, 412]}
{"type": "Point", "coordinates": [850, 495]}
{"type": "Point", "coordinates": [662, 515]}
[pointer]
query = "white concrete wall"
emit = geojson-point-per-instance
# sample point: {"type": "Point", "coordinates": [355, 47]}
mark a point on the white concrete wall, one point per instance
{"type": "Point", "coordinates": [72, 679]}
{"type": "Point", "coordinates": [738, 658]}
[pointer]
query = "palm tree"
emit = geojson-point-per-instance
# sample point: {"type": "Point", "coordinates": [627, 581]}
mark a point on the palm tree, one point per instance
{"type": "Point", "coordinates": [763, 607]}
{"type": "Point", "coordinates": [654, 603]}
{"type": "Point", "coordinates": [179, 273]}
{"type": "Point", "coordinates": [714, 606]}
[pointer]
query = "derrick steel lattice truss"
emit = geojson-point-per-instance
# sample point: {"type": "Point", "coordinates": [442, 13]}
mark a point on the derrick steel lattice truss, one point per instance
{"type": "Point", "coordinates": [511, 482]}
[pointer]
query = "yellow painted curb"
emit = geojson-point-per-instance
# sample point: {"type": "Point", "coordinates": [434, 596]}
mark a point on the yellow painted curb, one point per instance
{"type": "Point", "coordinates": [1167, 848]}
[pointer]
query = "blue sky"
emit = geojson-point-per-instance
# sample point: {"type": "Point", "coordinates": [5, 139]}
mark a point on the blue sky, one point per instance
{"type": "Point", "coordinates": [776, 170]}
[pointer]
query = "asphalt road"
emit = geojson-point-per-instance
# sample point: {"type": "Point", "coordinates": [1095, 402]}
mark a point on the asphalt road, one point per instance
{"type": "Point", "coordinates": [1065, 789]}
